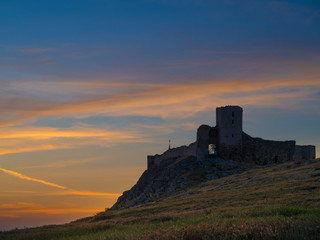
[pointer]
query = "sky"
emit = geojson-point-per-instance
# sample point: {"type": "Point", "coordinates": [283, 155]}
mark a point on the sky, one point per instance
{"type": "Point", "coordinates": [89, 88]}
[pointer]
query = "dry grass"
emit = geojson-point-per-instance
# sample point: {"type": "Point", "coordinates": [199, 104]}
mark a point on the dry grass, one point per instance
{"type": "Point", "coordinates": [274, 202]}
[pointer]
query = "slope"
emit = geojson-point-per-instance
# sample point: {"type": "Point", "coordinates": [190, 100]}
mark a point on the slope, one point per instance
{"type": "Point", "coordinates": [271, 202]}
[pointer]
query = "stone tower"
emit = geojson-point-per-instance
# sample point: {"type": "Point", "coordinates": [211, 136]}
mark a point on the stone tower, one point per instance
{"type": "Point", "coordinates": [229, 124]}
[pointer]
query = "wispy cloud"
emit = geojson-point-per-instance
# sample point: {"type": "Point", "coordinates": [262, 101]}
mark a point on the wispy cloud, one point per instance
{"type": "Point", "coordinates": [75, 132]}
{"type": "Point", "coordinates": [19, 175]}
{"type": "Point", "coordinates": [7, 149]}
{"type": "Point", "coordinates": [88, 193]}
{"type": "Point", "coordinates": [180, 100]}
{"type": "Point", "coordinates": [15, 209]}
{"type": "Point", "coordinates": [177, 100]}
{"type": "Point", "coordinates": [29, 139]}
{"type": "Point", "coordinates": [33, 138]}
{"type": "Point", "coordinates": [67, 192]}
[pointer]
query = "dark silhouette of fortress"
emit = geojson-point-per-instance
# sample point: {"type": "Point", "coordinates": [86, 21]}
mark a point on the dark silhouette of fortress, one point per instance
{"type": "Point", "coordinates": [228, 141]}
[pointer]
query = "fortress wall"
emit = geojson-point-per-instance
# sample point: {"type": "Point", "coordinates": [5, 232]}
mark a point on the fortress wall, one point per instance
{"type": "Point", "coordinates": [205, 135]}
{"type": "Point", "coordinates": [202, 141]}
{"type": "Point", "coordinates": [305, 152]}
{"type": "Point", "coordinates": [191, 150]}
{"type": "Point", "coordinates": [262, 151]}
{"type": "Point", "coordinates": [230, 152]}
{"type": "Point", "coordinates": [182, 151]}
{"type": "Point", "coordinates": [233, 144]}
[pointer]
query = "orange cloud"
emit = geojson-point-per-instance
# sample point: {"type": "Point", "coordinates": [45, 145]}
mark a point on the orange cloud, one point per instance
{"type": "Point", "coordinates": [77, 132]}
{"type": "Point", "coordinates": [28, 139]}
{"type": "Point", "coordinates": [85, 99]}
{"type": "Point", "coordinates": [13, 210]}
{"type": "Point", "coordinates": [164, 100]}
{"type": "Point", "coordinates": [68, 192]}
{"type": "Point", "coordinates": [27, 149]}
{"type": "Point", "coordinates": [88, 193]}
{"type": "Point", "coordinates": [31, 179]}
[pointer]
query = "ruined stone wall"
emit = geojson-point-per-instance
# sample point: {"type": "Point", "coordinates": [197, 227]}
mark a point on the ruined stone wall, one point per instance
{"type": "Point", "coordinates": [178, 152]}
{"type": "Point", "coordinates": [230, 152]}
{"type": "Point", "coordinates": [260, 151]}
{"type": "Point", "coordinates": [305, 152]}
{"type": "Point", "coordinates": [233, 144]}
{"type": "Point", "coordinates": [205, 135]}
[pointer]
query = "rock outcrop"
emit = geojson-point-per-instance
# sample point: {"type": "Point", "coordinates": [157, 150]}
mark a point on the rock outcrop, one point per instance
{"type": "Point", "coordinates": [175, 174]}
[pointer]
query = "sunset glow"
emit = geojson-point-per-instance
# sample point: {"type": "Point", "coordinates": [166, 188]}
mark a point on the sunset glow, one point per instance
{"type": "Point", "coordinates": [88, 89]}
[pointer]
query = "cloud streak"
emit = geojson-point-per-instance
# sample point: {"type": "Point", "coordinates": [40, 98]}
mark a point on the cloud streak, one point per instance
{"type": "Point", "coordinates": [67, 192]}
{"type": "Point", "coordinates": [19, 175]}
{"type": "Point", "coordinates": [164, 100]}
{"type": "Point", "coordinates": [32, 138]}
{"type": "Point", "coordinates": [103, 98]}
{"type": "Point", "coordinates": [75, 132]}
{"type": "Point", "coordinates": [88, 193]}
{"type": "Point", "coordinates": [13, 210]}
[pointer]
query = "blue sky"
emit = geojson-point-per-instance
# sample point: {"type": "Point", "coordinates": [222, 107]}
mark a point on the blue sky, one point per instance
{"type": "Point", "coordinates": [154, 40]}
{"type": "Point", "coordinates": [89, 88]}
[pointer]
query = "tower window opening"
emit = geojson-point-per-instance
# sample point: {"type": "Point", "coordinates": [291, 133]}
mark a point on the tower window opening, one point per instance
{"type": "Point", "coordinates": [232, 114]}
{"type": "Point", "coordinates": [212, 149]}
{"type": "Point", "coordinates": [232, 121]}
{"type": "Point", "coordinates": [232, 135]}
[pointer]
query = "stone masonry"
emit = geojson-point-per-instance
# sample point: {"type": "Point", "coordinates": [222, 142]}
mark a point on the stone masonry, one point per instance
{"type": "Point", "coordinates": [231, 143]}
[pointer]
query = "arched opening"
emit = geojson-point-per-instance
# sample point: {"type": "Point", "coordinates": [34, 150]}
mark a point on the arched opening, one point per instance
{"type": "Point", "coordinates": [212, 150]}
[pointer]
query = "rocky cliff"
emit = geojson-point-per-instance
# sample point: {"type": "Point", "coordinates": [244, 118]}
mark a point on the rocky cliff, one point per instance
{"type": "Point", "coordinates": [183, 167]}
{"type": "Point", "coordinates": [175, 174]}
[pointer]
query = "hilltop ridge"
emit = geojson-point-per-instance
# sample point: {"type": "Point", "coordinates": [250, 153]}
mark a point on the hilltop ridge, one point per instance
{"type": "Point", "coordinates": [277, 201]}
{"type": "Point", "coordinates": [218, 151]}
{"type": "Point", "coordinates": [226, 185]}
{"type": "Point", "coordinates": [174, 174]}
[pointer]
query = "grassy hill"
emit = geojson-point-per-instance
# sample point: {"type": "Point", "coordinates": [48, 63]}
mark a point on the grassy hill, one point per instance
{"type": "Point", "coordinates": [270, 202]}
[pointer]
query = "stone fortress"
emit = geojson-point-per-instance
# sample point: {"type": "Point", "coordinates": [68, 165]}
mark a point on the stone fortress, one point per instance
{"type": "Point", "coordinates": [228, 141]}
{"type": "Point", "coordinates": [219, 151]}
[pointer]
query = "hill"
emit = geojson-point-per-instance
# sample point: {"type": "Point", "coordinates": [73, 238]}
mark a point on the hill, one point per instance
{"type": "Point", "coordinates": [267, 202]}
{"type": "Point", "coordinates": [173, 174]}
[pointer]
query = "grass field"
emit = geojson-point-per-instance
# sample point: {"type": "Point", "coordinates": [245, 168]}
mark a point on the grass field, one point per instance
{"type": "Point", "coordinates": [273, 202]}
